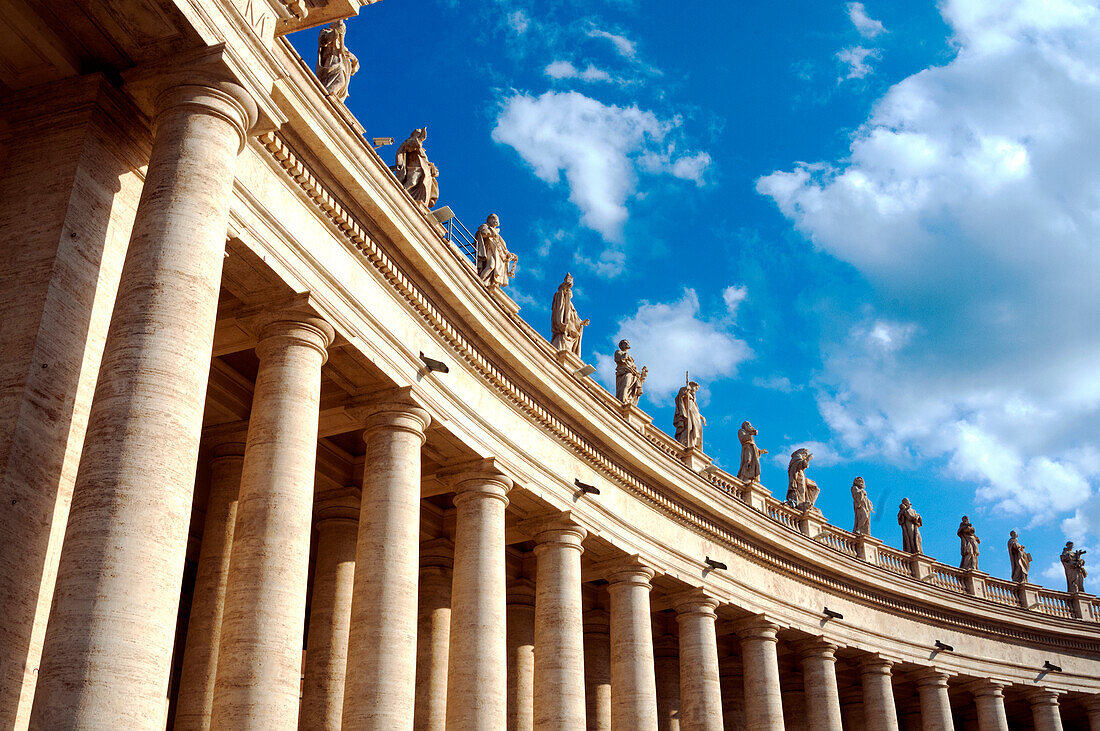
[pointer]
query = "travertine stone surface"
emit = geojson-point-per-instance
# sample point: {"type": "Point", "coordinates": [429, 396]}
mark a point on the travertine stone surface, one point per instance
{"type": "Point", "coordinates": [633, 677]}
{"type": "Point", "coordinates": [337, 527]}
{"type": "Point", "coordinates": [597, 669]}
{"type": "Point", "coordinates": [935, 703]}
{"type": "Point", "coordinates": [112, 624]}
{"type": "Point", "coordinates": [433, 633]}
{"type": "Point", "coordinates": [878, 694]}
{"type": "Point", "coordinates": [477, 683]}
{"type": "Point", "coordinates": [1045, 712]}
{"type": "Point", "coordinates": [521, 655]}
{"type": "Point", "coordinates": [380, 687]}
{"type": "Point", "coordinates": [989, 700]}
{"type": "Point", "coordinates": [260, 659]}
{"type": "Point", "coordinates": [666, 659]}
{"type": "Point", "coordinates": [760, 664]}
{"type": "Point", "coordinates": [559, 628]}
{"type": "Point", "coordinates": [200, 654]}
{"type": "Point", "coordinates": [732, 676]}
{"type": "Point", "coordinates": [700, 688]}
{"type": "Point", "coordinates": [1092, 708]}
{"type": "Point", "coordinates": [70, 193]}
{"type": "Point", "coordinates": [819, 683]}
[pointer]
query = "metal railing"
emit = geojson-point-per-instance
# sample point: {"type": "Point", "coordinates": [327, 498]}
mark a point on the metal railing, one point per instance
{"type": "Point", "coordinates": [460, 236]}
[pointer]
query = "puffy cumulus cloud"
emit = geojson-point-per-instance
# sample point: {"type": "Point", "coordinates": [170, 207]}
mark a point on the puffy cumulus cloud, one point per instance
{"type": "Point", "coordinates": [600, 148]}
{"type": "Point", "coordinates": [674, 337]}
{"type": "Point", "coordinates": [867, 26]}
{"type": "Point", "coordinates": [855, 59]}
{"type": "Point", "coordinates": [566, 70]}
{"type": "Point", "coordinates": [970, 203]}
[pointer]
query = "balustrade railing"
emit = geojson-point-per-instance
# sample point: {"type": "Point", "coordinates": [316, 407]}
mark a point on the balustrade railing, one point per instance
{"type": "Point", "coordinates": [894, 560]}
{"type": "Point", "coordinates": [725, 486]}
{"type": "Point", "coordinates": [839, 539]}
{"type": "Point", "coordinates": [1002, 592]}
{"type": "Point", "coordinates": [948, 578]}
{"type": "Point", "coordinates": [1054, 603]}
{"type": "Point", "coordinates": [782, 513]}
{"type": "Point", "coordinates": [1094, 610]}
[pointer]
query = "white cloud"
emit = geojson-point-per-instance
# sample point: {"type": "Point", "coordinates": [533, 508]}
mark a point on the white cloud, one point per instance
{"type": "Point", "coordinates": [824, 454]}
{"type": "Point", "coordinates": [970, 203]}
{"type": "Point", "coordinates": [671, 338]}
{"type": "Point", "coordinates": [623, 45]}
{"type": "Point", "coordinates": [865, 24]}
{"type": "Point", "coordinates": [776, 383]}
{"type": "Point", "coordinates": [518, 21]}
{"type": "Point", "coordinates": [566, 70]}
{"type": "Point", "coordinates": [600, 148]}
{"type": "Point", "coordinates": [855, 58]}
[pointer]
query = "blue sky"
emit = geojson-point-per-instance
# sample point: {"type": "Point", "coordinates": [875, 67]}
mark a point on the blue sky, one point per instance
{"type": "Point", "coordinates": [869, 228]}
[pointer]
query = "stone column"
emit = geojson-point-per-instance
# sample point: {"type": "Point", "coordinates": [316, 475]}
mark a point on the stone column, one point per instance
{"type": "Point", "coordinates": [666, 660]}
{"type": "Point", "coordinates": [1092, 707]}
{"type": "Point", "coordinates": [113, 621]}
{"type": "Point", "coordinates": [878, 694]}
{"type": "Point", "coordinates": [380, 687]}
{"type": "Point", "coordinates": [260, 660]}
{"type": "Point", "coordinates": [1044, 709]}
{"type": "Point", "coordinates": [733, 692]}
{"type": "Point", "coordinates": [433, 634]}
{"type": "Point", "coordinates": [935, 703]}
{"type": "Point", "coordinates": [633, 677]}
{"type": "Point", "coordinates": [597, 669]}
{"type": "Point", "coordinates": [521, 655]}
{"type": "Point", "coordinates": [851, 708]}
{"type": "Point", "coordinates": [559, 625]}
{"type": "Point", "coordinates": [760, 663]}
{"type": "Point", "coordinates": [819, 684]}
{"type": "Point", "coordinates": [200, 653]}
{"type": "Point", "coordinates": [330, 610]}
{"type": "Point", "coordinates": [989, 698]}
{"type": "Point", "coordinates": [477, 682]}
{"type": "Point", "coordinates": [700, 687]}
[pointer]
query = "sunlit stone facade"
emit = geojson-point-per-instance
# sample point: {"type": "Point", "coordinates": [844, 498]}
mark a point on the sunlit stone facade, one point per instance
{"type": "Point", "coordinates": [235, 497]}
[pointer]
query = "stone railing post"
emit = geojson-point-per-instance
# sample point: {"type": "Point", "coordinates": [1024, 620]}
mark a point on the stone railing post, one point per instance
{"type": "Point", "coordinates": [975, 582]}
{"type": "Point", "coordinates": [921, 566]}
{"type": "Point", "coordinates": [867, 548]}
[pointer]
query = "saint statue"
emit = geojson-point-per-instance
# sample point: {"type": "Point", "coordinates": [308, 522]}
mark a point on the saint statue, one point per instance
{"type": "Point", "coordinates": [628, 379]}
{"type": "Point", "coordinates": [750, 453]}
{"type": "Point", "coordinates": [566, 325]}
{"type": "Point", "coordinates": [862, 506]}
{"type": "Point", "coordinates": [910, 522]}
{"type": "Point", "coordinates": [335, 63]}
{"type": "Point", "coordinates": [969, 546]}
{"type": "Point", "coordinates": [687, 420]}
{"type": "Point", "coordinates": [1020, 558]}
{"type": "Point", "coordinates": [802, 492]}
{"type": "Point", "coordinates": [1075, 568]}
{"type": "Point", "coordinates": [495, 264]}
{"type": "Point", "coordinates": [414, 171]}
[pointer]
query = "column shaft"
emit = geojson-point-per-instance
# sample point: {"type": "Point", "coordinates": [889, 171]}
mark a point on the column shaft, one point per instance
{"type": "Point", "coordinates": [260, 659]}
{"type": "Point", "coordinates": [878, 695]}
{"type": "Point", "coordinates": [521, 656]}
{"type": "Point", "coordinates": [1092, 707]}
{"type": "Point", "coordinates": [597, 670]}
{"type": "Point", "coordinates": [990, 702]}
{"type": "Point", "coordinates": [380, 687]}
{"type": "Point", "coordinates": [559, 628]}
{"type": "Point", "coordinates": [113, 621]}
{"type": "Point", "coordinates": [200, 653]}
{"type": "Point", "coordinates": [433, 637]}
{"type": "Point", "coordinates": [1044, 710]}
{"type": "Point", "coordinates": [733, 692]}
{"type": "Point", "coordinates": [666, 663]}
{"type": "Point", "coordinates": [700, 686]}
{"type": "Point", "coordinates": [633, 676]}
{"type": "Point", "coordinates": [935, 703]}
{"type": "Point", "coordinates": [330, 611]}
{"type": "Point", "coordinates": [763, 696]}
{"type": "Point", "coordinates": [477, 682]}
{"type": "Point", "coordinates": [819, 683]}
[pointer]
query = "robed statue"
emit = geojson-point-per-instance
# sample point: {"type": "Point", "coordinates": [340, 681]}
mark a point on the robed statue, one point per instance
{"type": "Point", "coordinates": [495, 264]}
{"type": "Point", "coordinates": [628, 379]}
{"type": "Point", "coordinates": [687, 420]}
{"type": "Point", "coordinates": [910, 522]}
{"type": "Point", "coordinates": [802, 492]}
{"type": "Point", "coordinates": [750, 453]}
{"type": "Point", "coordinates": [1074, 565]}
{"type": "Point", "coordinates": [862, 506]}
{"type": "Point", "coordinates": [565, 324]}
{"type": "Point", "coordinates": [414, 171]}
{"type": "Point", "coordinates": [1020, 558]}
{"type": "Point", "coordinates": [969, 545]}
{"type": "Point", "coordinates": [335, 63]}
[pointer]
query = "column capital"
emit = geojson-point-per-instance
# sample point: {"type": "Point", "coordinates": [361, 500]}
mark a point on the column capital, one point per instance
{"type": "Point", "coordinates": [1042, 696]}
{"type": "Point", "coordinates": [229, 448]}
{"type": "Point", "coordinates": [986, 687]}
{"type": "Point", "coordinates": [390, 410]}
{"type": "Point", "coordinates": [626, 570]}
{"type": "Point", "coordinates": [437, 553]}
{"type": "Point", "coordinates": [561, 529]}
{"type": "Point", "coordinates": [338, 504]}
{"type": "Point", "coordinates": [757, 627]}
{"type": "Point", "coordinates": [290, 326]}
{"type": "Point", "coordinates": [932, 677]}
{"type": "Point", "coordinates": [820, 647]}
{"type": "Point", "coordinates": [1092, 703]}
{"type": "Point", "coordinates": [479, 478]}
{"type": "Point", "coordinates": [597, 622]}
{"type": "Point", "coordinates": [666, 646]}
{"type": "Point", "coordinates": [876, 664]}
{"type": "Point", "coordinates": [521, 592]}
{"type": "Point", "coordinates": [694, 601]}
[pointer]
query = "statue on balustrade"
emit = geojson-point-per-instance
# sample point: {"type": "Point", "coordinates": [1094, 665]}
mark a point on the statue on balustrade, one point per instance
{"type": "Point", "coordinates": [335, 63]}
{"type": "Point", "coordinates": [750, 453]}
{"type": "Point", "coordinates": [628, 379]}
{"type": "Point", "coordinates": [687, 420]}
{"type": "Point", "coordinates": [414, 171]}
{"type": "Point", "coordinates": [1074, 565]}
{"type": "Point", "coordinates": [802, 492]}
{"type": "Point", "coordinates": [495, 264]}
{"type": "Point", "coordinates": [566, 325]}
{"type": "Point", "coordinates": [1020, 558]}
{"type": "Point", "coordinates": [969, 545]}
{"type": "Point", "coordinates": [862, 506]}
{"type": "Point", "coordinates": [910, 522]}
